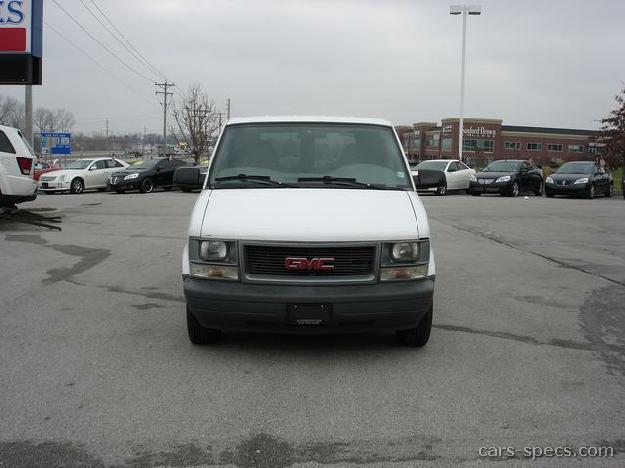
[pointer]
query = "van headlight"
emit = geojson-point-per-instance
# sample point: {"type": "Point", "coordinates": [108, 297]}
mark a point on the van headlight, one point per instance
{"type": "Point", "coordinates": [213, 250]}
{"type": "Point", "coordinates": [213, 259]}
{"type": "Point", "coordinates": [549, 180]}
{"type": "Point", "coordinates": [405, 251]}
{"type": "Point", "coordinates": [406, 260]}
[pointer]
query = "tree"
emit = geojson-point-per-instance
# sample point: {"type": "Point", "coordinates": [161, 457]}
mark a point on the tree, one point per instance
{"type": "Point", "coordinates": [197, 120]}
{"type": "Point", "coordinates": [43, 120]}
{"type": "Point", "coordinates": [11, 112]}
{"type": "Point", "coordinates": [612, 134]}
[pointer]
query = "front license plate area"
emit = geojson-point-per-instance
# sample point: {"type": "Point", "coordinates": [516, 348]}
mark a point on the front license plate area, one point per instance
{"type": "Point", "coordinates": [44, 185]}
{"type": "Point", "coordinates": [309, 314]}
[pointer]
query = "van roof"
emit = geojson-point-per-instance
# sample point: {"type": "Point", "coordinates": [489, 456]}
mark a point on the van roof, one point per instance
{"type": "Point", "coordinates": [310, 119]}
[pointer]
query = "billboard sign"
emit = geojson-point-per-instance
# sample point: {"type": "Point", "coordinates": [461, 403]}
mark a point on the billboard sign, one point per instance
{"type": "Point", "coordinates": [20, 27]}
{"type": "Point", "coordinates": [21, 41]}
{"type": "Point", "coordinates": [56, 143]}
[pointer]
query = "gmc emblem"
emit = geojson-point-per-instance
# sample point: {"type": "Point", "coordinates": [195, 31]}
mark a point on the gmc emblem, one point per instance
{"type": "Point", "coordinates": [303, 263]}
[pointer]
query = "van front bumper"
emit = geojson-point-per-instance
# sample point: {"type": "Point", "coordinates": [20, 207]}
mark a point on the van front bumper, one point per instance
{"type": "Point", "coordinates": [266, 307]}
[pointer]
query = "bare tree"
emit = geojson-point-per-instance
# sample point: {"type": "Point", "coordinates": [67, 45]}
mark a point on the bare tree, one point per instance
{"type": "Point", "coordinates": [197, 120]}
{"type": "Point", "coordinates": [11, 112]}
{"type": "Point", "coordinates": [43, 120]}
{"type": "Point", "coordinates": [63, 120]}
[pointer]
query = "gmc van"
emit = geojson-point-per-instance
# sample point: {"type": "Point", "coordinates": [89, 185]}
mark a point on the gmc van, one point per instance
{"type": "Point", "coordinates": [308, 225]}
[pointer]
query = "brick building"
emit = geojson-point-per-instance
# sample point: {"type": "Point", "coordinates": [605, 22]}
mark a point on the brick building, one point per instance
{"type": "Point", "coordinates": [488, 139]}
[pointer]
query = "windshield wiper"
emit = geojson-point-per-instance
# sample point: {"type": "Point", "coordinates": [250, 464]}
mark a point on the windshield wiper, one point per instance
{"type": "Point", "coordinates": [254, 178]}
{"type": "Point", "coordinates": [346, 181]}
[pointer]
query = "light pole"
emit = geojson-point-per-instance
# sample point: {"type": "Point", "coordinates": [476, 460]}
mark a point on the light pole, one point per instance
{"type": "Point", "coordinates": [463, 10]}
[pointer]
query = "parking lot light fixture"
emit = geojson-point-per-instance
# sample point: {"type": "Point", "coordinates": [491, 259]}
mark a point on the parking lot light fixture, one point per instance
{"type": "Point", "coordinates": [463, 10]}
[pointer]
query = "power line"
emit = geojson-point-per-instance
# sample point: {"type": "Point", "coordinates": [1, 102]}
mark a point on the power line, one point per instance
{"type": "Point", "coordinates": [134, 91]}
{"type": "Point", "coordinates": [142, 57]}
{"type": "Point", "coordinates": [108, 30]}
{"type": "Point", "coordinates": [101, 44]}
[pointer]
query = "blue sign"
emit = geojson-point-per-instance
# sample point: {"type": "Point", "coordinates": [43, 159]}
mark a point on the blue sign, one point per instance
{"type": "Point", "coordinates": [56, 143]}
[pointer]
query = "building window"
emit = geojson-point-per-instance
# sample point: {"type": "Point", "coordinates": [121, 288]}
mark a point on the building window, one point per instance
{"type": "Point", "coordinates": [554, 147]}
{"type": "Point", "coordinates": [446, 146]}
{"type": "Point", "coordinates": [487, 146]}
{"type": "Point", "coordinates": [576, 148]}
{"type": "Point", "coordinates": [513, 145]}
{"type": "Point", "coordinates": [535, 146]}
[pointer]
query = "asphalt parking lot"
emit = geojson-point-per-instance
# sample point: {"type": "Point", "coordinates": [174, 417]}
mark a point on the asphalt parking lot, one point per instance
{"type": "Point", "coordinates": [528, 347]}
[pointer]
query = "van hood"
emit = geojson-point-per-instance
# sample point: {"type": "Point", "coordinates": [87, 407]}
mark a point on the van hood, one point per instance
{"type": "Point", "coordinates": [309, 215]}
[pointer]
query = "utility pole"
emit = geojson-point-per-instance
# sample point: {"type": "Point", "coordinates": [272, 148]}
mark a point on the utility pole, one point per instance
{"type": "Point", "coordinates": [143, 142]}
{"type": "Point", "coordinates": [165, 86]}
{"type": "Point", "coordinates": [107, 129]}
{"type": "Point", "coordinates": [228, 107]}
{"type": "Point", "coordinates": [28, 114]}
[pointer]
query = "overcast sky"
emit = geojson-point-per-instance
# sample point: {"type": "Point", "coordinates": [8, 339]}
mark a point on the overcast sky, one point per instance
{"type": "Point", "coordinates": [543, 63]}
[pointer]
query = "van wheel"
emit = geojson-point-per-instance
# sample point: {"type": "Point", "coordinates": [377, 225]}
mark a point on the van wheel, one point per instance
{"type": "Point", "coordinates": [77, 186]}
{"type": "Point", "coordinates": [417, 337]}
{"type": "Point", "coordinates": [147, 185]}
{"type": "Point", "coordinates": [199, 335]}
{"type": "Point", "coordinates": [441, 190]}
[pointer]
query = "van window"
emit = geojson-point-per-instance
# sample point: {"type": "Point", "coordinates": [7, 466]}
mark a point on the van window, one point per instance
{"type": "Point", "coordinates": [287, 152]}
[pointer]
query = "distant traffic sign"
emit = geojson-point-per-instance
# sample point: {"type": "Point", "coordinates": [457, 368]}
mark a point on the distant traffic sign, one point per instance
{"type": "Point", "coordinates": [56, 143]}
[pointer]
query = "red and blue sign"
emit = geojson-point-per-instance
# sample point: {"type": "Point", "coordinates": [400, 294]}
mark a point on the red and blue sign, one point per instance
{"type": "Point", "coordinates": [21, 27]}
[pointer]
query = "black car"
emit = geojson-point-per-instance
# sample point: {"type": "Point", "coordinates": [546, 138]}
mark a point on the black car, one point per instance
{"type": "Point", "coordinates": [509, 177]}
{"type": "Point", "coordinates": [190, 178]}
{"type": "Point", "coordinates": [145, 175]}
{"type": "Point", "coordinates": [582, 178]}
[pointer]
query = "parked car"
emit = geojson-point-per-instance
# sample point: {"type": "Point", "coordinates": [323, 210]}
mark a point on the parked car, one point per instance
{"type": "Point", "coordinates": [191, 178]}
{"type": "Point", "coordinates": [584, 178]}
{"type": "Point", "coordinates": [442, 175]}
{"type": "Point", "coordinates": [509, 177]}
{"type": "Point", "coordinates": [146, 175]}
{"type": "Point", "coordinates": [43, 168]}
{"type": "Point", "coordinates": [16, 168]}
{"type": "Point", "coordinates": [288, 244]}
{"type": "Point", "coordinates": [81, 175]}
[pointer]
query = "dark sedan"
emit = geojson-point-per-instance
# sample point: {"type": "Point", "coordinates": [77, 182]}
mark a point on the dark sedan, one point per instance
{"type": "Point", "coordinates": [582, 178]}
{"type": "Point", "coordinates": [191, 178]}
{"type": "Point", "coordinates": [145, 175]}
{"type": "Point", "coordinates": [509, 177]}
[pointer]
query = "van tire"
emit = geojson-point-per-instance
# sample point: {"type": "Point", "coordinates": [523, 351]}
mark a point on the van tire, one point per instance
{"type": "Point", "coordinates": [199, 335]}
{"type": "Point", "coordinates": [419, 336]}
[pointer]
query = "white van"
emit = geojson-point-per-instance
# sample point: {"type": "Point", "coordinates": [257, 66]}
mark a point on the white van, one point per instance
{"type": "Point", "coordinates": [16, 168]}
{"type": "Point", "coordinates": [309, 225]}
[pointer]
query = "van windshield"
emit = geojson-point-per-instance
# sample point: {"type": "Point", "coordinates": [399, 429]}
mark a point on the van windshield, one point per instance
{"type": "Point", "coordinates": [311, 155]}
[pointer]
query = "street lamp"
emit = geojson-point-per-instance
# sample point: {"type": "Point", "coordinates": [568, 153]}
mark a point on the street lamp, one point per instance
{"type": "Point", "coordinates": [463, 10]}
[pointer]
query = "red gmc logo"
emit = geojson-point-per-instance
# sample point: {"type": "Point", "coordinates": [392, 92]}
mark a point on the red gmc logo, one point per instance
{"type": "Point", "coordinates": [303, 263]}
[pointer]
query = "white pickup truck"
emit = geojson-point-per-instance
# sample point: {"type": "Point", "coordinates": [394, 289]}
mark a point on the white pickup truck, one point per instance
{"type": "Point", "coordinates": [309, 225]}
{"type": "Point", "coordinates": [17, 160]}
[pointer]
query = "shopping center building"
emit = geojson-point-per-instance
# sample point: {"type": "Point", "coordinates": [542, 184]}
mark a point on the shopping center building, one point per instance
{"type": "Point", "coordinates": [489, 139]}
